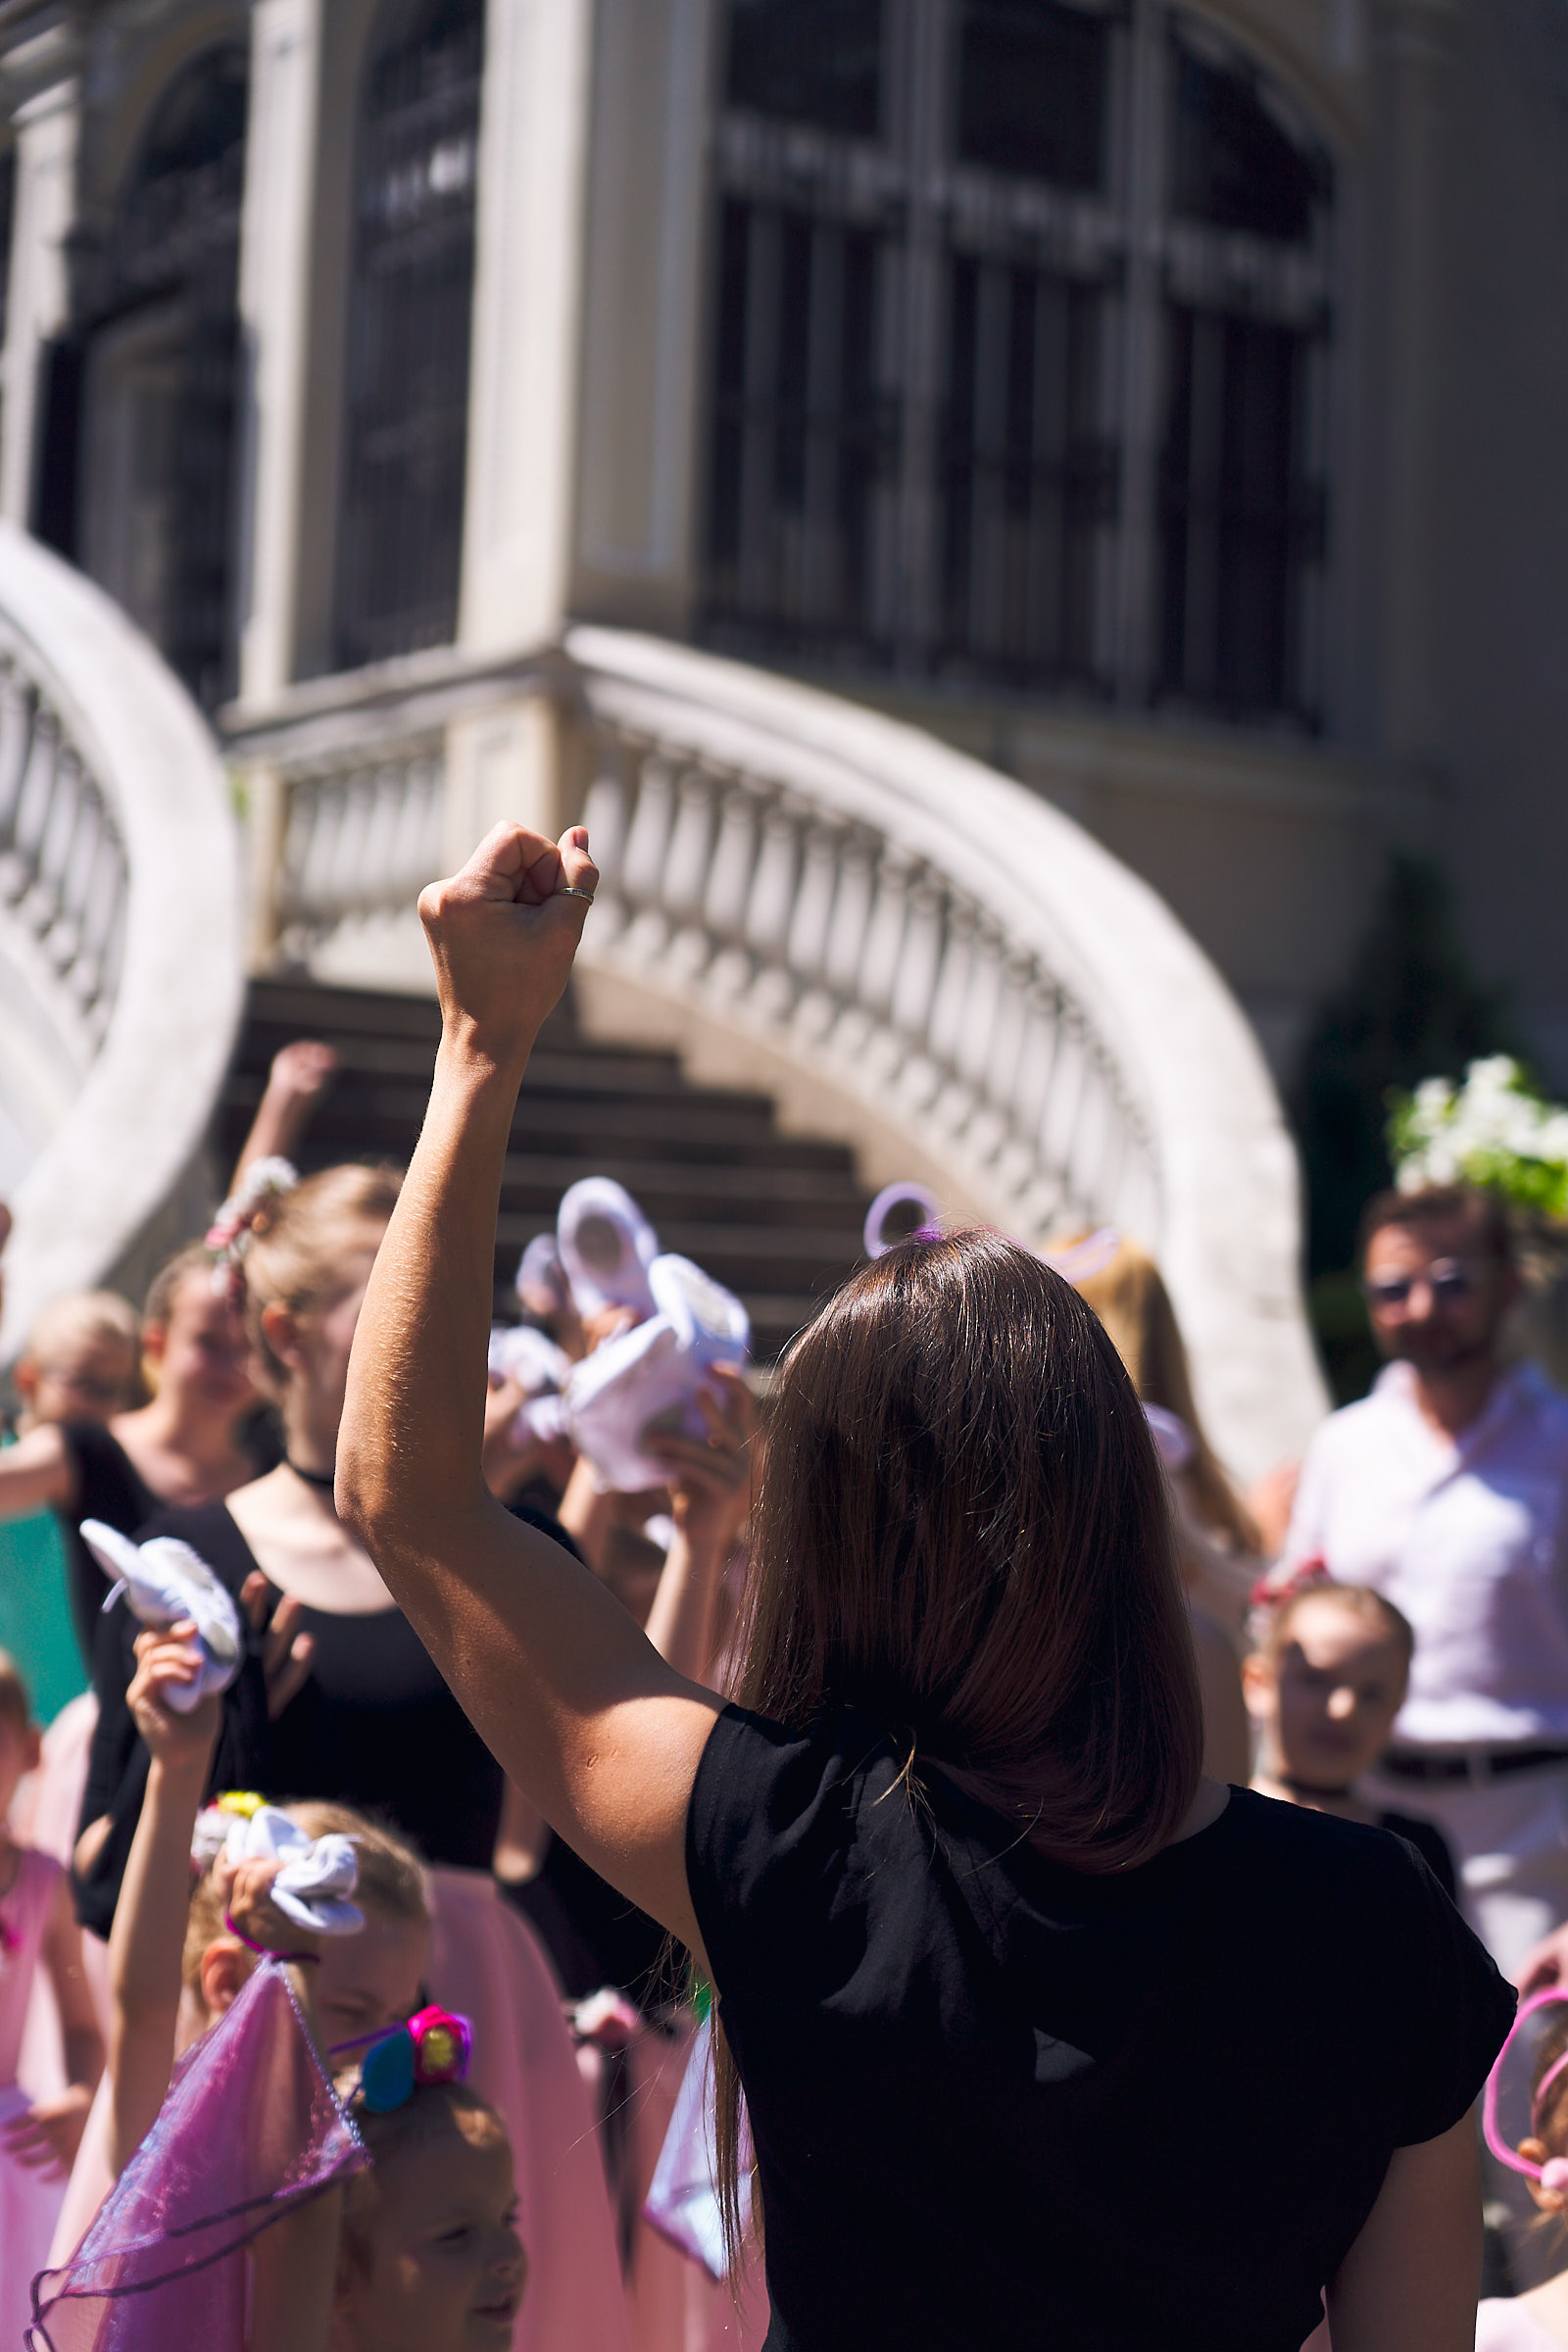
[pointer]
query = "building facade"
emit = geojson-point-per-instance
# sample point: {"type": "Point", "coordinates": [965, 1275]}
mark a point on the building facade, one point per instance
{"type": "Point", "coordinates": [1160, 402]}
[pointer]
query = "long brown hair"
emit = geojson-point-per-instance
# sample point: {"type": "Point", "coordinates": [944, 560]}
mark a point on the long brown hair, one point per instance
{"type": "Point", "coordinates": [1132, 1301]}
{"type": "Point", "coordinates": [961, 1530]}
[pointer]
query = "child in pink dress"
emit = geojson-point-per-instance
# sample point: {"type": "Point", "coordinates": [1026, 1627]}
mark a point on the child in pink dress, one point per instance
{"type": "Point", "coordinates": [38, 2139]}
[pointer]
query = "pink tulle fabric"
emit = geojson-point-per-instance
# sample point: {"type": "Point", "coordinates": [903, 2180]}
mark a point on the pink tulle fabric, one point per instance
{"type": "Point", "coordinates": [486, 1962]}
{"type": "Point", "coordinates": [30, 2197]}
{"type": "Point", "coordinates": [249, 2132]}
{"type": "Point", "coordinates": [676, 2303]}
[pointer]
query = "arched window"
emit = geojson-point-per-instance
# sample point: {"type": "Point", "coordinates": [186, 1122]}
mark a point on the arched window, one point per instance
{"type": "Point", "coordinates": [155, 498]}
{"type": "Point", "coordinates": [416, 160]}
{"type": "Point", "coordinates": [1018, 335]}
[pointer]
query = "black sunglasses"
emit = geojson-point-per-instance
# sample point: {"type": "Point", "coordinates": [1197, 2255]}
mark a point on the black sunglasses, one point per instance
{"type": "Point", "coordinates": [1449, 1283]}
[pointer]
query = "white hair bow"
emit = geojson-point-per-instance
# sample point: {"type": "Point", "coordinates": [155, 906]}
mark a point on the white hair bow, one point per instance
{"type": "Point", "coordinates": [318, 1876]}
{"type": "Point", "coordinates": [164, 1581]}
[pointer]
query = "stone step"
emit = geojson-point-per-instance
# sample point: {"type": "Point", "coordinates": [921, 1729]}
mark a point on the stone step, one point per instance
{"type": "Point", "coordinates": [777, 1218]}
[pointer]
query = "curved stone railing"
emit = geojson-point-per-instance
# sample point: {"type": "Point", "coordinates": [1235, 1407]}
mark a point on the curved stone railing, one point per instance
{"type": "Point", "coordinates": [361, 834]}
{"type": "Point", "coordinates": [121, 930]}
{"type": "Point", "coordinates": [940, 945]}
{"type": "Point", "coordinates": [874, 918]}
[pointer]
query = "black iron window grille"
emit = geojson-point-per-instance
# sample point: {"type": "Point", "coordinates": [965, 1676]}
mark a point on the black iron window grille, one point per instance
{"type": "Point", "coordinates": [1019, 325]}
{"type": "Point", "coordinates": [400, 539]}
{"type": "Point", "coordinates": [141, 439]}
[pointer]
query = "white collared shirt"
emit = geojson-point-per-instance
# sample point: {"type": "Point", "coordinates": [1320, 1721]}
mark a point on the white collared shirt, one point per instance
{"type": "Point", "coordinates": [1467, 1536]}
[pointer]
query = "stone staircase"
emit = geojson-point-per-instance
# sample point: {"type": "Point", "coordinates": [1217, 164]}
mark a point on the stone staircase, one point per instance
{"type": "Point", "coordinates": [777, 1218]}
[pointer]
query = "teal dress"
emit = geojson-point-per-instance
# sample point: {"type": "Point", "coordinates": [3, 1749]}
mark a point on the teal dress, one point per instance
{"type": "Point", "coordinates": [35, 1624]}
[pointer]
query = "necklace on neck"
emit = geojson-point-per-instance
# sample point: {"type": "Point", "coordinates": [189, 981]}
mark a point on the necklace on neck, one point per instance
{"type": "Point", "coordinates": [1301, 1787]}
{"type": "Point", "coordinates": [325, 1478]}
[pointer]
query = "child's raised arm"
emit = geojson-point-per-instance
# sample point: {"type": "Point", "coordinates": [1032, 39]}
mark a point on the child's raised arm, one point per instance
{"type": "Point", "coordinates": [147, 1944]}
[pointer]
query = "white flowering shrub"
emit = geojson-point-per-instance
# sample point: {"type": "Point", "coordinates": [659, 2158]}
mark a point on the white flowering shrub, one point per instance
{"type": "Point", "coordinates": [1495, 1129]}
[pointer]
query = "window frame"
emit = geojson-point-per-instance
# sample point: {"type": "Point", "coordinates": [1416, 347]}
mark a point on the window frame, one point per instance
{"type": "Point", "coordinates": [1127, 238]}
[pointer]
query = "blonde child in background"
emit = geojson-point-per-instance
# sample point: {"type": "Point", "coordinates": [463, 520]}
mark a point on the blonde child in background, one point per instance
{"type": "Point", "coordinates": [174, 1968]}
{"type": "Point", "coordinates": [420, 2254]}
{"type": "Point", "coordinates": [38, 2140]}
{"type": "Point", "coordinates": [83, 1362]}
{"type": "Point", "coordinates": [429, 2259]}
{"type": "Point", "coordinates": [1323, 1689]}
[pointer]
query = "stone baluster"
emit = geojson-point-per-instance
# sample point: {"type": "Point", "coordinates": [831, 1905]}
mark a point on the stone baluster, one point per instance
{"type": "Point", "coordinates": [980, 1010]}
{"type": "Point", "coordinates": [850, 922]}
{"type": "Point", "coordinates": [605, 813]}
{"type": "Point", "coordinates": [883, 954]}
{"type": "Point", "coordinates": [952, 986]}
{"type": "Point", "coordinates": [646, 840]}
{"type": "Point", "coordinates": [812, 917]}
{"type": "Point", "coordinates": [105, 885]}
{"type": "Point", "coordinates": [771, 900]}
{"type": "Point", "coordinates": [687, 862]}
{"type": "Point", "coordinates": [35, 793]}
{"type": "Point", "coordinates": [1059, 1116]}
{"type": "Point", "coordinates": [729, 884]}
{"type": "Point", "coordinates": [17, 705]}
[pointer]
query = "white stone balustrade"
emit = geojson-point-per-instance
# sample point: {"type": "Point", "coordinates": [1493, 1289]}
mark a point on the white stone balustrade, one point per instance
{"type": "Point", "coordinates": [910, 931]}
{"type": "Point", "coordinates": [120, 936]}
{"type": "Point", "coordinates": [931, 940]}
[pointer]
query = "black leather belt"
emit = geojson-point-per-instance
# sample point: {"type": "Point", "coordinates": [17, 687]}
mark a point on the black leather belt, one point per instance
{"type": "Point", "coordinates": [1476, 1764]}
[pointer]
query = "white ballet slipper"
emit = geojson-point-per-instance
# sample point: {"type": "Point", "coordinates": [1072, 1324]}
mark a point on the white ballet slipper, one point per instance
{"type": "Point", "coordinates": [607, 1246]}
{"type": "Point", "coordinates": [541, 1278]}
{"type": "Point", "coordinates": [530, 1357]}
{"type": "Point", "coordinates": [682, 2200]}
{"type": "Point", "coordinates": [655, 1373]}
{"type": "Point", "coordinates": [318, 1876]}
{"type": "Point", "coordinates": [165, 1580]}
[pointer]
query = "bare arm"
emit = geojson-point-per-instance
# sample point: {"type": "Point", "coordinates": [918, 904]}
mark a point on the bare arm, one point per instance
{"type": "Point", "coordinates": [147, 1944]}
{"type": "Point", "coordinates": [566, 1691]}
{"type": "Point", "coordinates": [48, 2135]}
{"type": "Point", "coordinates": [299, 1077]}
{"type": "Point", "coordinates": [37, 1474]}
{"type": "Point", "coordinates": [1409, 2282]}
{"type": "Point", "coordinates": [709, 1494]}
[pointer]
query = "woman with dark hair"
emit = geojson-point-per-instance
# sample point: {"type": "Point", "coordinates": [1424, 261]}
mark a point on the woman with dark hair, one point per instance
{"type": "Point", "coordinates": [1044, 2039]}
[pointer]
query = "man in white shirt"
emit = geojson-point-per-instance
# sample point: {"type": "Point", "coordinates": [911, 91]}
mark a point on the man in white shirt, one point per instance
{"type": "Point", "coordinates": [1445, 1490]}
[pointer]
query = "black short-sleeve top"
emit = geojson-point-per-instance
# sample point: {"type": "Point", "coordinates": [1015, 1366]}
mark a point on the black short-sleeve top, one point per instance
{"type": "Point", "coordinates": [999, 2102]}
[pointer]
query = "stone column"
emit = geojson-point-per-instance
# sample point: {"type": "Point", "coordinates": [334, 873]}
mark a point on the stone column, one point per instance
{"type": "Point", "coordinates": [275, 280]}
{"type": "Point", "coordinates": [47, 121]}
{"type": "Point", "coordinates": [1415, 36]}
{"type": "Point", "coordinates": [528, 266]}
{"type": "Point", "coordinates": [523, 405]}
{"type": "Point", "coordinates": [642, 394]}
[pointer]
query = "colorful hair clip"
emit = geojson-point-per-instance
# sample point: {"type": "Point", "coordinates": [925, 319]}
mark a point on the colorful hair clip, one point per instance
{"type": "Point", "coordinates": [906, 1193]}
{"type": "Point", "coordinates": [434, 2047]}
{"type": "Point", "coordinates": [229, 1237]}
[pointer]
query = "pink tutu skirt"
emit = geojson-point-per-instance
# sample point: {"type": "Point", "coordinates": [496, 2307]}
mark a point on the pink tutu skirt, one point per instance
{"type": "Point", "coordinates": [486, 1963]}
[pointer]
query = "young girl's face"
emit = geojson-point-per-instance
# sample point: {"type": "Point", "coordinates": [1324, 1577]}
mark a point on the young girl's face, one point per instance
{"type": "Point", "coordinates": [1327, 1703]}
{"type": "Point", "coordinates": [441, 2266]}
{"type": "Point", "coordinates": [365, 1983]}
